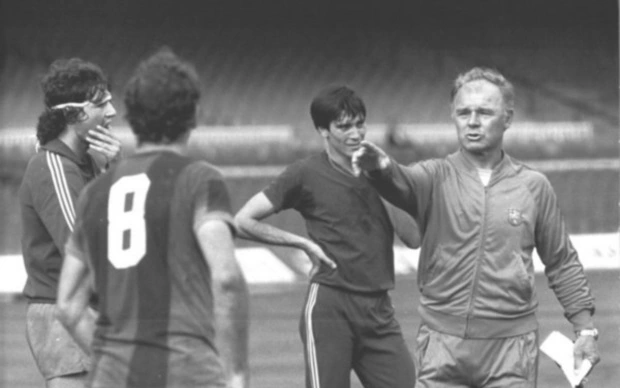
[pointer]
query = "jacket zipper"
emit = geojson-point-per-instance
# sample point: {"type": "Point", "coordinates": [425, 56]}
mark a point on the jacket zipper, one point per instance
{"type": "Point", "coordinates": [479, 258]}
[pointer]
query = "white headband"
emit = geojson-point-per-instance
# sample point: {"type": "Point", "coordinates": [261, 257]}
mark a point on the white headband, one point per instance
{"type": "Point", "coordinates": [107, 97]}
{"type": "Point", "coordinates": [70, 105]}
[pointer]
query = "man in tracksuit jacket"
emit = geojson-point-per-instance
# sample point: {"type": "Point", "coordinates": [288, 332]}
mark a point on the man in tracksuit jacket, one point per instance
{"type": "Point", "coordinates": [481, 214]}
{"type": "Point", "coordinates": [71, 130]}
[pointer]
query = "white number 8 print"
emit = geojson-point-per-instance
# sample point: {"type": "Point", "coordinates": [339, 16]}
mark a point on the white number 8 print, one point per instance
{"type": "Point", "coordinates": [126, 223]}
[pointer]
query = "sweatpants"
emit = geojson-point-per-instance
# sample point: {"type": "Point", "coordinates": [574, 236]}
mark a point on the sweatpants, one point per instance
{"type": "Point", "coordinates": [343, 331]}
{"type": "Point", "coordinates": [447, 361]}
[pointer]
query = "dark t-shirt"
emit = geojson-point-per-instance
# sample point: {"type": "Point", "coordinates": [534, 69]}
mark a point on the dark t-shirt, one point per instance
{"type": "Point", "coordinates": [345, 216]}
{"type": "Point", "coordinates": [135, 227]}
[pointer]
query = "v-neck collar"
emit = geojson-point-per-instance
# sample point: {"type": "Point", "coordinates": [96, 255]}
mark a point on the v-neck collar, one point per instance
{"type": "Point", "coordinates": [335, 166]}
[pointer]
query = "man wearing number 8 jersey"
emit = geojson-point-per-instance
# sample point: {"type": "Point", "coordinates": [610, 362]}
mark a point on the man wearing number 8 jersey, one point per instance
{"type": "Point", "coordinates": [154, 241]}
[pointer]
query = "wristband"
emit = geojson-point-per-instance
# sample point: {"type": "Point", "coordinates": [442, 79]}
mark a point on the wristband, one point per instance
{"type": "Point", "coordinates": [588, 332]}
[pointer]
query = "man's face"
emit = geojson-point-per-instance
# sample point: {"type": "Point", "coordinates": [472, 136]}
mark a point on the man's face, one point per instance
{"type": "Point", "coordinates": [99, 111]}
{"type": "Point", "coordinates": [481, 117]}
{"type": "Point", "coordinates": [345, 134]}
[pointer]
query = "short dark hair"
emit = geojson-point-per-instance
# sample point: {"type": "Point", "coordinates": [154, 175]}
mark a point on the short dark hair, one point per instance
{"type": "Point", "coordinates": [161, 98]}
{"type": "Point", "coordinates": [68, 80]}
{"type": "Point", "coordinates": [488, 74]}
{"type": "Point", "coordinates": [333, 102]}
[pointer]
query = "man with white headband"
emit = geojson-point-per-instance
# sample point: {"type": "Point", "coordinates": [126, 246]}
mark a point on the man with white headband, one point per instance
{"type": "Point", "coordinates": [73, 134]}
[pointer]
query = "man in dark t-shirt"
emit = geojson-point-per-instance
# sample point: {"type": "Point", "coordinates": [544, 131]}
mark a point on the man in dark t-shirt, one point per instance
{"type": "Point", "coordinates": [153, 240]}
{"type": "Point", "coordinates": [347, 320]}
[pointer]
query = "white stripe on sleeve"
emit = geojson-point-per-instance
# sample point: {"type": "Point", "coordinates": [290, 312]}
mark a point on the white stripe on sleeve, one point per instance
{"type": "Point", "coordinates": [62, 188]}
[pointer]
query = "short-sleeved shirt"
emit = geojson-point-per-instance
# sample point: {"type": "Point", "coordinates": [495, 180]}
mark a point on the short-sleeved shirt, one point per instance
{"type": "Point", "coordinates": [135, 229]}
{"type": "Point", "coordinates": [345, 216]}
{"type": "Point", "coordinates": [50, 187]}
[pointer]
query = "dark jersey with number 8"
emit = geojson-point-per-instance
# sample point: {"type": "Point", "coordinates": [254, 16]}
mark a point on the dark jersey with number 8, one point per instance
{"type": "Point", "coordinates": [135, 230]}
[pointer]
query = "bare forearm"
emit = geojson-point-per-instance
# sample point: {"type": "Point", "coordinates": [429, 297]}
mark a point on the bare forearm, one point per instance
{"type": "Point", "coordinates": [80, 326]}
{"type": "Point", "coordinates": [230, 296]}
{"type": "Point", "coordinates": [72, 304]}
{"type": "Point", "coordinates": [232, 322]}
{"type": "Point", "coordinates": [251, 229]}
{"type": "Point", "coordinates": [85, 330]}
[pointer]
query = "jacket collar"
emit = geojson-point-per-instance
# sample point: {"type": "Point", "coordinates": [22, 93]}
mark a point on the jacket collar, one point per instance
{"type": "Point", "coordinates": [505, 166]}
{"type": "Point", "coordinates": [58, 147]}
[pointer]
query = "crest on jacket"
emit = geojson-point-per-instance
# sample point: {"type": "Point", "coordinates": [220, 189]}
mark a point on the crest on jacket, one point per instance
{"type": "Point", "coordinates": [515, 217]}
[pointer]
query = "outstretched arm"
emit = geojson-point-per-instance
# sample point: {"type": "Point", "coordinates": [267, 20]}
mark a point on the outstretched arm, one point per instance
{"type": "Point", "coordinates": [72, 310]}
{"type": "Point", "coordinates": [249, 226]}
{"type": "Point", "coordinates": [399, 185]}
{"type": "Point", "coordinates": [231, 299]}
{"type": "Point", "coordinates": [404, 225]}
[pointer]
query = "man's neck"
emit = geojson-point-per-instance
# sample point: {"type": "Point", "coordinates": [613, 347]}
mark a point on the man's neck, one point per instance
{"type": "Point", "coordinates": [485, 160]}
{"type": "Point", "coordinates": [179, 145]}
{"type": "Point", "coordinates": [75, 144]}
{"type": "Point", "coordinates": [176, 147]}
{"type": "Point", "coordinates": [340, 162]}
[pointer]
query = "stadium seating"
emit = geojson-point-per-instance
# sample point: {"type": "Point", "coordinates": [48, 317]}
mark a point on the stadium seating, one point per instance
{"type": "Point", "coordinates": [258, 83]}
{"type": "Point", "coordinates": [268, 76]}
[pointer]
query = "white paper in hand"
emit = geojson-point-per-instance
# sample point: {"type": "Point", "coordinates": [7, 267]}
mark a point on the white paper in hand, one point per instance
{"type": "Point", "coordinates": [560, 349]}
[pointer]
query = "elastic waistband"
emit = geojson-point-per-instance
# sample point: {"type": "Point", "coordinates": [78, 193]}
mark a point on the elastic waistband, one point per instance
{"type": "Point", "coordinates": [473, 327]}
{"type": "Point", "coordinates": [377, 293]}
{"type": "Point", "coordinates": [39, 300]}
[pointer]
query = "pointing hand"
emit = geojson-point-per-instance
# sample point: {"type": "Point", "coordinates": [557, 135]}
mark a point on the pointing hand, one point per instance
{"type": "Point", "coordinates": [369, 157]}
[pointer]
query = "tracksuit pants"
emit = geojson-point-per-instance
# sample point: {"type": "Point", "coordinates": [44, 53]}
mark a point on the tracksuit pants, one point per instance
{"type": "Point", "coordinates": [343, 331]}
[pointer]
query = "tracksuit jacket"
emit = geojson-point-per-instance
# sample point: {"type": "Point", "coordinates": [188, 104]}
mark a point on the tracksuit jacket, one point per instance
{"type": "Point", "coordinates": [475, 274]}
{"type": "Point", "coordinates": [48, 192]}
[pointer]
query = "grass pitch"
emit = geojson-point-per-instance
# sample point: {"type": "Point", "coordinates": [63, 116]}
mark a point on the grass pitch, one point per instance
{"type": "Point", "coordinates": [275, 349]}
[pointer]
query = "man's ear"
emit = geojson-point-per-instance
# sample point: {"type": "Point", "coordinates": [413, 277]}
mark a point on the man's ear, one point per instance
{"type": "Point", "coordinates": [324, 132]}
{"type": "Point", "coordinates": [508, 115]}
